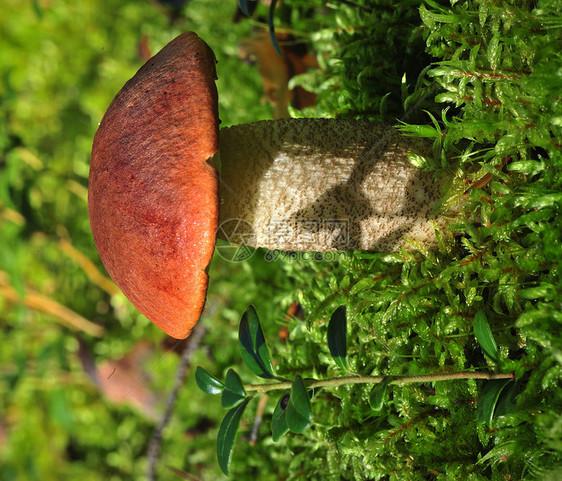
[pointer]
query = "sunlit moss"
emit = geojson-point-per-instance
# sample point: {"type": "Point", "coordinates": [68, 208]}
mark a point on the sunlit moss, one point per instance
{"type": "Point", "coordinates": [488, 73]}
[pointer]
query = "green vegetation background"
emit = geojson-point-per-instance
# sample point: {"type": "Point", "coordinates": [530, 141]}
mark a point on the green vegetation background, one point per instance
{"type": "Point", "coordinates": [482, 79]}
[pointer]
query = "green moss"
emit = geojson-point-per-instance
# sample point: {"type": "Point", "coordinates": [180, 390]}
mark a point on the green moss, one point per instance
{"type": "Point", "coordinates": [482, 79]}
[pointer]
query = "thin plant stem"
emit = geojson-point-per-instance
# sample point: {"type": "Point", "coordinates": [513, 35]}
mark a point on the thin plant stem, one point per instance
{"type": "Point", "coordinates": [88, 267]}
{"type": "Point", "coordinates": [42, 303]}
{"type": "Point", "coordinates": [341, 381]}
{"type": "Point", "coordinates": [154, 447]}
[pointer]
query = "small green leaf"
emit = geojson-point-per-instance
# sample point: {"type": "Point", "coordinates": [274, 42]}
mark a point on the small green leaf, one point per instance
{"type": "Point", "coordinates": [279, 425]}
{"type": "Point", "coordinates": [484, 336]}
{"type": "Point", "coordinates": [252, 345]}
{"type": "Point", "coordinates": [544, 290]}
{"type": "Point", "coordinates": [506, 402]}
{"type": "Point", "coordinates": [234, 392]}
{"type": "Point", "coordinates": [488, 399]}
{"type": "Point", "coordinates": [420, 131]}
{"type": "Point", "coordinates": [37, 8]}
{"type": "Point", "coordinates": [378, 396]}
{"type": "Point", "coordinates": [337, 337]}
{"type": "Point", "coordinates": [298, 410]}
{"type": "Point", "coordinates": [227, 436]}
{"type": "Point", "coordinates": [208, 383]}
{"type": "Point", "coordinates": [243, 4]}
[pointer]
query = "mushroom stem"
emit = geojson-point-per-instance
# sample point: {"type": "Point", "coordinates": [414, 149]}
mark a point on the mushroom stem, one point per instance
{"type": "Point", "coordinates": [323, 185]}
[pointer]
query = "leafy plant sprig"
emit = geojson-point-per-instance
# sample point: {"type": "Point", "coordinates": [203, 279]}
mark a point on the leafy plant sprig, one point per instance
{"type": "Point", "coordinates": [248, 10]}
{"type": "Point", "coordinates": [293, 409]}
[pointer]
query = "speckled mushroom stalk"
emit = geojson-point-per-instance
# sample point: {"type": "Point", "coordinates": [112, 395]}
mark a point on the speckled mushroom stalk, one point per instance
{"type": "Point", "coordinates": [298, 184]}
{"type": "Point", "coordinates": [321, 185]}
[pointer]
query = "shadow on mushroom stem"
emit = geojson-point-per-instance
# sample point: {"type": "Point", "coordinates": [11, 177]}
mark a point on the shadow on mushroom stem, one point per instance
{"type": "Point", "coordinates": [321, 185]}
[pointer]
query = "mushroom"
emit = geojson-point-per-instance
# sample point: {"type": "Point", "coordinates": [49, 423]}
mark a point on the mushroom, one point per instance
{"type": "Point", "coordinates": [297, 184]}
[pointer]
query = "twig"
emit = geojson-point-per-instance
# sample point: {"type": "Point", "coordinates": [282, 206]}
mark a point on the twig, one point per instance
{"type": "Point", "coordinates": [11, 215]}
{"type": "Point", "coordinates": [182, 474]}
{"type": "Point", "coordinates": [339, 381]}
{"type": "Point", "coordinates": [258, 420]}
{"type": "Point", "coordinates": [89, 268]}
{"type": "Point", "coordinates": [154, 446]}
{"type": "Point", "coordinates": [39, 302]}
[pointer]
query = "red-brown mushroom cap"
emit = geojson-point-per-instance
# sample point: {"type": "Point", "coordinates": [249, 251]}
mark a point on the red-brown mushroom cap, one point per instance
{"type": "Point", "coordinates": [153, 195]}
